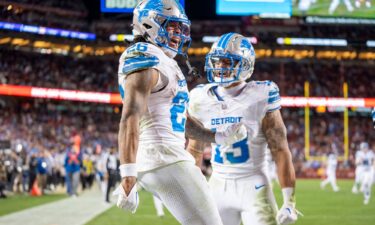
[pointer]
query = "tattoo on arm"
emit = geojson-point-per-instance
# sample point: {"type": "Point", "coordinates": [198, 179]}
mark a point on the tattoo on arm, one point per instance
{"type": "Point", "coordinates": [275, 131]}
{"type": "Point", "coordinates": [194, 129]}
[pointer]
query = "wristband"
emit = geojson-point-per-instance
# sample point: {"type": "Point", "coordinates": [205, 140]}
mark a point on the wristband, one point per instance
{"type": "Point", "coordinates": [128, 170]}
{"type": "Point", "coordinates": [288, 195]}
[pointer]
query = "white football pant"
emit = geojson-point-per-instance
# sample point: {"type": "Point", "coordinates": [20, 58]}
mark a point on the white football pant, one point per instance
{"type": "Point", "coordinates": [367, 184]}
{"type": "Point", "coordinates": [184, 191]}
{"type": "Point", "coordinates": [248, 199]}
{"type": "Point", "coordinates": [158, 206]}
{"type": "Point", "coordinates": [331, 178]}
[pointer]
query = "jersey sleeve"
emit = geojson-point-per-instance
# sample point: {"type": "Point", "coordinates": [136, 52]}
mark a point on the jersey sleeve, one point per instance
{"type": "Point", "coordinates": [137, 57]}
{"type": "Point", "coordinates": [194, 103]}
{"type": "Point", "coordinates": [274, 99]}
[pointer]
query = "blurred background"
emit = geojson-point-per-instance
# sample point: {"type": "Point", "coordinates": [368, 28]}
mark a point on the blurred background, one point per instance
{"type": "Point", "coordinates": [60, 107]}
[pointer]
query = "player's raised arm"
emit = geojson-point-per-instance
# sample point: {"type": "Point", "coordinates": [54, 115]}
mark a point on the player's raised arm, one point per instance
{"type": "Point", "coordinates": [275, 132]}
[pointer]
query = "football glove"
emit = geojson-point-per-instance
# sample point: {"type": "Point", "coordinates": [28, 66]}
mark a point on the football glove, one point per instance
{"type": "Point", "coordinates": [127, 203]}
{"type": "Point", "coordinates": [232, 134]}
{"type": "Point", "coordinates": [288, 214]}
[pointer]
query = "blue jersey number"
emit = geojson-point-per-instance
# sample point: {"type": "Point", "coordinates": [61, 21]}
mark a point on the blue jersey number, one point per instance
{"type": "Point", "coordinates": [245, 155]}
{"type": "Point", "coordinates": [178, 117]}
{"type": "Point", "coordinates": [138, 47]}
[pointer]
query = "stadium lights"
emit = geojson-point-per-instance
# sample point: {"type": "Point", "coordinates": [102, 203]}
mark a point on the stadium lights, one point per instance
{"type": "Point", "coordinates": [121, 37]}
{"type": "Point", "coordinates": [311, 41]}
{"type": "Point", "coordinates": [86, 50]}
{"type": "Point", "coordinates": [212, 39]}
{"type": "Point", "coordinates": [114, 98]}
{"type": "Point", "coordinates": [370, 43]}
{"type": "Point", "coordinates": [46, 31]}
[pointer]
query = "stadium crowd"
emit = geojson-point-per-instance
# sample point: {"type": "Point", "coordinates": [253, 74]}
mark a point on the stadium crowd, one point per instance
{"type": "Point", "coordinates": [49, 146]}
{"type": "Point", "coordinates": [99, 74]}
{"type": "Point", "coordinates": [56, 143]}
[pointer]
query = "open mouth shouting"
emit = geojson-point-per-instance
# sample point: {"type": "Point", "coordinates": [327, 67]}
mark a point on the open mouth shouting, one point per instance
{"type": "Point", "coordinates": [175, 42]}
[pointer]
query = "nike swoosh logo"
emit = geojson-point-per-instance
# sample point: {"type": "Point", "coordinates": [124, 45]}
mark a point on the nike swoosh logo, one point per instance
{"type": "Point", "coordinates": [259, 186]}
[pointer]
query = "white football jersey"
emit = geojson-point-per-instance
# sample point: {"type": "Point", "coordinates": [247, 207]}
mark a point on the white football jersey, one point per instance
{"type": "Point", "coordinates": [162, 128]}
{"type": "Point", "coordinates": [217, 112]}
{"type": "Point", "coordinates": [332, 162]}
{"type": "Point", "coordinates": [366, 159]}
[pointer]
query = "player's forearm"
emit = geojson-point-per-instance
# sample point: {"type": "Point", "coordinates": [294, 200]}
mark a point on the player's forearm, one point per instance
{"type": "Point", "coordinates": [128, 139]}
{"type": "Point", "coordinates": [197, 154]}
{"type": "Point", "coordinates": [285, 168]}
{"type": "Point", "coordinates": [195, 130]}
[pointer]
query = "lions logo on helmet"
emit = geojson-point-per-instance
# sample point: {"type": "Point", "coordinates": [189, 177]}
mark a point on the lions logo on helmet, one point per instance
{"type": "Point", "coordinates": [230, 59]}
{"type": "Point", "coordinates": [151, 19]}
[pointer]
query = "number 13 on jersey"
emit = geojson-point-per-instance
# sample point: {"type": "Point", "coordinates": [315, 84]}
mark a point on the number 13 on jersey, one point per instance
{"type": "Point", "coordinates": [241, 158]}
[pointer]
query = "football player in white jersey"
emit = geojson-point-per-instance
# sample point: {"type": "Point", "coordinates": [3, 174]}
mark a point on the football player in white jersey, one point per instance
{"type": "Point", "coordinates": [152, 126]}
{"type": "Point", "coordinates": [366, 160]}
{"type": "Point", "coordinates": [331, 172]}
{"type": "Point", "coordinates": [239, 182]}
{"type": "Point", "coordinates": [360, 166]}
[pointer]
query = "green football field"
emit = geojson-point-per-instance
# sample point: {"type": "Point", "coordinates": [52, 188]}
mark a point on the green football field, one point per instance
{"type": "Point", "coordinates": [320, 8]}
{"type": "Point", "coordinates": [320, 207]}
{"type": "Point", "coordinates": [19, 202]}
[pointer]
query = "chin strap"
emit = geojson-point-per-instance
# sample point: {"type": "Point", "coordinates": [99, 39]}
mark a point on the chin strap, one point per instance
{"type": "Point", "coordinates": [193, 71]}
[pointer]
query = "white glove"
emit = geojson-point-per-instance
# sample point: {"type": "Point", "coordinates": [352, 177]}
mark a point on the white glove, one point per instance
{"type": "Point", "coordinates": [232, 134]}
{"type": "Point", "coordinates": [288, 214]}
{"type": "Point", "coordinates": [127, 203]}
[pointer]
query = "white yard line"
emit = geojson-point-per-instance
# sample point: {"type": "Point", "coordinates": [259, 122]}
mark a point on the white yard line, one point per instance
{"type": "Point", "coordinates": [70, 211]}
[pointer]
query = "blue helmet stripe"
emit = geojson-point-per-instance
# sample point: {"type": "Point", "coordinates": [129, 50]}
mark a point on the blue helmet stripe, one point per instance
{"type": "Point", "coordinates": [221, 40]}
{"type": "Point", "coordinates": [225, 40]}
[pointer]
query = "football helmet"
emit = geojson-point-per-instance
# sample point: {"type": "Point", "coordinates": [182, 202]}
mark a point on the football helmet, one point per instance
{"type": "Point", "coordinates": [151, 20]}
{"type": "Point", "coordinates": [230, 59]}
{"type": "Point", "coordinates": [364, 146]}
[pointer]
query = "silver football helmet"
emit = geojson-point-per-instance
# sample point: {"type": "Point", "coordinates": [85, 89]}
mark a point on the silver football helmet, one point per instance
{"type": "Point", "coordinates": [230, 59]}
{"type": "Point", "coordinates": [151, 19]}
